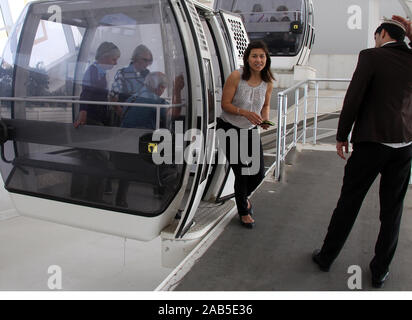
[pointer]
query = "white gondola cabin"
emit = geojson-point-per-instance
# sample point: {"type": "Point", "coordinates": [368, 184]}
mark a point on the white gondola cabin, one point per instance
{"type": "Point", "coordinates": [286, 26]}
{"type": "Point", "coordinates": [72, 175]}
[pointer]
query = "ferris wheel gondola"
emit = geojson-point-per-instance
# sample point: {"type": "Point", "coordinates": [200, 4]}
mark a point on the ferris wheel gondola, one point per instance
{"type": "Point", "coordinates": [71, 174]}
{"type": "Point", "coordinates": [286, 26]}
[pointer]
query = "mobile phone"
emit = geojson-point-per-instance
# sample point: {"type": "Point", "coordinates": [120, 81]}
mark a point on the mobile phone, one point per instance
{"type": "Point", "coordinates": [267, 122]}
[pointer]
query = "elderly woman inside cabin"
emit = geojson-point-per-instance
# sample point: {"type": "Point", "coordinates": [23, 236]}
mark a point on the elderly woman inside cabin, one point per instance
{"type": "Point", "coordinates": [94, 86]}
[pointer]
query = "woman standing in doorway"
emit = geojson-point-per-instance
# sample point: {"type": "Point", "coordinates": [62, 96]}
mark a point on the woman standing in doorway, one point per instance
{"type": "Point", "coordinates": [245, 105]}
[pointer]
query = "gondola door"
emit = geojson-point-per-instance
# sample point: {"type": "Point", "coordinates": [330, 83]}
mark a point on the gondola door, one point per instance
{"type": "Point", "coordinates": [237, 42]}
{"type": "Point", "coordinates": [202, 137]}
{"type": "Point", "coordinates": [228, 41]}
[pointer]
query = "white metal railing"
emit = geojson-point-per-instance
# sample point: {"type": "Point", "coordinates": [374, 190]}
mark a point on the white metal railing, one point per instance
{"type": "Point", "coordinates": [282, 148]}
{"type": "Point", "coordinates": [75, 100]}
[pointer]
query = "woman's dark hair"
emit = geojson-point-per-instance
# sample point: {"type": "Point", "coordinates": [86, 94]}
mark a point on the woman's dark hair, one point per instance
{"type": "Point", "coordinates": [266, 74]}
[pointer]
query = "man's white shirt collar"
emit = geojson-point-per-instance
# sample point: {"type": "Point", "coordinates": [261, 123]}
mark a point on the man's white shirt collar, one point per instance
{"type": "Point", "coordinates": [387, 43]}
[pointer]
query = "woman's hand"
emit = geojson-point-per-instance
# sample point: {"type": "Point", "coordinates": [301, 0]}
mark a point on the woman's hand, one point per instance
{"type": "Point", "coordinates": [253, 117]}
{"type": "Point", "coordinates": [265, 126]}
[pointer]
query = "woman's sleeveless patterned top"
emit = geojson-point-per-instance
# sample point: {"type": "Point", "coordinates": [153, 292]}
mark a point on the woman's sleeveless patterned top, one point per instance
{"type": "Point", "coordinates": [247, 98]}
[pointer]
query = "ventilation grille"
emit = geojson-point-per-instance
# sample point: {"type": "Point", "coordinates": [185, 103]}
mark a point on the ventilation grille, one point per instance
{"type": "Point", "coordinates": [239, 36]}
{"type": "Point", "coordinates": [198, 26]}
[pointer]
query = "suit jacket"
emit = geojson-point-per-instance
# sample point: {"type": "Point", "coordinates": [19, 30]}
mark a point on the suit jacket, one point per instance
{"type": "Point", "coordinates": [379, 97]}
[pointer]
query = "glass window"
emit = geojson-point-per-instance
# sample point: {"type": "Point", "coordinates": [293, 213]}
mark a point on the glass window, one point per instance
{"type": "Point", "coordinates": [16, 7]}
{"type": "Point", "coordinates": [3, 32]}
{"type": "Point", "coordinates": [49, 35]}
{"type": "Point", "coordinates": [9, 13]}
{"type": "Point", "coordinates": [6, 68]}
{"type": "Point", "coordinates": [311, 17]}
{"type": "Point", "coordinates": [75, 143]}
{"type": "Point", "coordinates": [273, 21]}
{"type": "Point", "coordinates": [5, 78]}
{"type": "Point", "coordinates": [312, 36]}
{"type": "Point", "coordinates": [217, 73]}
{"type": "Point", "coordinates": [210, 90]}
{"type": "Point", "coordinates": [227, 42]}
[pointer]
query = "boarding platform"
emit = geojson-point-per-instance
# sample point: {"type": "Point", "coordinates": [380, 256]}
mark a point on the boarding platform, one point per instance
{"type": "Point", "coordinates": [291, 221]}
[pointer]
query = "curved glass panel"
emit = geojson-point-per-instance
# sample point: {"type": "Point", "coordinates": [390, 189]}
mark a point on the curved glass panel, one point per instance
{"type": "Point", "coordinates": [280, 24]}
{"type": "Point", "coordinates": [94, 80]}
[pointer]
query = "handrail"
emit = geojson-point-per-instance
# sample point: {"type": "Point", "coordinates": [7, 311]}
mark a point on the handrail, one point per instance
{"type": "Point", "coordinates": [299, 84]}
{"type": "Point", "coordinates": [281, 148]}
{"type": "Point", "coordinates": [51, 97]}
{"type": "Point", "coordinates": [296, 86]}
{"type": "Point", "coordinates": [277, 12]}
{"type": "Point", "coordinates": [103, 103]}
{"type": "Point", "coordinates": [158, 107]}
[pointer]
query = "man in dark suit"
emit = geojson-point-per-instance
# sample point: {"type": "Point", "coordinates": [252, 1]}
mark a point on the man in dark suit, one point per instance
{"type": "Point", "coordinates": [379, 104]}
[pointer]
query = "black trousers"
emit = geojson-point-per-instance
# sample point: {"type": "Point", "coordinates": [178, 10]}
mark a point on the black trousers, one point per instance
{"type": "Point", "coordinates": [363, 166]}
{"type": "Point", "coordinates": [245, 183]}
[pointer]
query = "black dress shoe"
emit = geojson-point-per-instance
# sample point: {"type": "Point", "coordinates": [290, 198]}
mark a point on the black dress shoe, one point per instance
{"type": "Point", "coordinates": [316, 258]}
{"type": "Point", "coordinates": [377, 282]}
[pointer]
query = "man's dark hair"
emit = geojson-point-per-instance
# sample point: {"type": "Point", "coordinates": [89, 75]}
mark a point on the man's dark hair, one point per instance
{"type": "Point", "coordinates": [394, 32]}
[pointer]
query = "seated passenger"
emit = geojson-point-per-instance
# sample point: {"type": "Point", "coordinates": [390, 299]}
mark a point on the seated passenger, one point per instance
{"type": "Point", "coordinates": [285, 15]}
{"type": "Point", "coordinates": [130, 79]}
{"type": "Point", "coordinates": [257, 17]}
{"type": "Point", "coordinates": [145, 117]}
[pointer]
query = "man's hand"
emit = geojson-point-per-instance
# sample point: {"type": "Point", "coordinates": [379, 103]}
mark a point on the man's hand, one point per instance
{"type": "Point", "coordinates": [407, 24]}
{"type": "Point", "coordinates": [179, 83]}
{"type": "Point", "coordinates": [339, 148]}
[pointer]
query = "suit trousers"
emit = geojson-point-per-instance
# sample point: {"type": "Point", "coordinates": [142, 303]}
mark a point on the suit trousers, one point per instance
{"type": "Point", "coordinates": [245, 183]}
{"type": "Point", "coordinates": [366, 162]}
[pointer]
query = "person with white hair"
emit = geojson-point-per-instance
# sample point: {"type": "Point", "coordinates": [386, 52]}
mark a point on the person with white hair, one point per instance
{"type": "Point", "coordinates": [144, 117]}
{"type": "Point", "coordinates": [150, 93]}
{"type": "Point", "coordinates": [257, 14]}
{"type": "Point", "coordinates": [130, 79]}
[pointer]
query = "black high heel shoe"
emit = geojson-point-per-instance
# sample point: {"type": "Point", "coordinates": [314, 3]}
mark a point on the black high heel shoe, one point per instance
{"type": "Point", "coordinates": [248, 225]}
{"type": "Point", "coordinates": [250, 210]}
